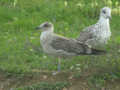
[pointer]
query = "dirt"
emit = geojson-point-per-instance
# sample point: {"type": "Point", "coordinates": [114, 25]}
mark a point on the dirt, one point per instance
{"type": "Point", "coordinates": [7, 82]}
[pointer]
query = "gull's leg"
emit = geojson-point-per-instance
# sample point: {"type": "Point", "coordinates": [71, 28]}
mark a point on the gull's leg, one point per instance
{"type": "Point", "coordinates": [59, 64]}
{"type": "Point", "coordinates": [58, 67]}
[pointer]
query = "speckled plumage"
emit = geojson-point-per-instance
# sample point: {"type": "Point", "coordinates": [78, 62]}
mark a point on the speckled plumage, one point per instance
{"type": "Point", "coordinates": [56, 45]}
{"type": "Point", "coordinates": [98, 34]}
{"type": "Point", "coordinates": [60, 46]}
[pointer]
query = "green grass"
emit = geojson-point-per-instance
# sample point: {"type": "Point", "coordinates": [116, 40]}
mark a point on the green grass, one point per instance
{"type": "Point", "coordinates": [17, 23]}
{"type": "Point", "coordinates": [46, 86]}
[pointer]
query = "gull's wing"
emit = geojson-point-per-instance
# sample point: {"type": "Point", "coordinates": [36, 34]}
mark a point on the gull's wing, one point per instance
{"type": "Point", "coordinates": [67, 45]}
{"type": "Point", "coordinates": [70, 46]}
{"type": "Point", "coordinates": [88, 33]}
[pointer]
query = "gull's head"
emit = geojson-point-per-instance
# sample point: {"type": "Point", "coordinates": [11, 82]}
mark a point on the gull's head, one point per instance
{"type": "Point", "coordinates": [46, 26]}
{"type": "Point", "coordinates": [105, 13]}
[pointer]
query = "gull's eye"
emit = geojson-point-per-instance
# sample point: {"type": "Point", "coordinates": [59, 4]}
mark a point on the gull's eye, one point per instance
{"type": "Point", "coordinates": [104, 11]}
{"type": "Point", "coordinates": [46, 25]}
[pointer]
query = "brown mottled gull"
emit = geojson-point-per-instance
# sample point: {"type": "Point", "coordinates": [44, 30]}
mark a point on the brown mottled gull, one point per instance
{"type": "Point", "coordinates": [56, 45]}
{"type": "Point", "coordinates": [98, 34]}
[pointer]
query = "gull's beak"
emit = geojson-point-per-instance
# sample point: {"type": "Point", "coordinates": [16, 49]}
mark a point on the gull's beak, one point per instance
{"type": "Point", "coordinates": [38, 28]}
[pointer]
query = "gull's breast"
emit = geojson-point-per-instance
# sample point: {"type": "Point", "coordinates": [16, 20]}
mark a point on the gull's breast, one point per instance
{"type": "Point", "coordinates": [104, 33]}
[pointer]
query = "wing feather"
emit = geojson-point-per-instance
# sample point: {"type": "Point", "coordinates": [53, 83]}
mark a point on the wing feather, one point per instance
{"type": "Point", "coordinates": [68, 45]}
{"type": "Point", "coordinates": [87, 33]}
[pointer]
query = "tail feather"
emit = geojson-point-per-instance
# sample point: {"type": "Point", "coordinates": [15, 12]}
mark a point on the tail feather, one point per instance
{"type": "Point", "coordinates": [98, 52]}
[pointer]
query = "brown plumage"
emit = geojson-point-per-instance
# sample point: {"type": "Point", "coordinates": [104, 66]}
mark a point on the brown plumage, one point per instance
{"type": "Point", "coordinates": [56, 45]}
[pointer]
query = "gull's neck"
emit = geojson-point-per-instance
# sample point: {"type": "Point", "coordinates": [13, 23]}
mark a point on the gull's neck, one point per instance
{"type": "Point", "coordinates": [46, 33]}
{"type": "Point", "coordinates": [104, 27]}
{"type": "Point", "coordinates": [103, 20]}
{"type": "Point", "coordinates": [49, 30]}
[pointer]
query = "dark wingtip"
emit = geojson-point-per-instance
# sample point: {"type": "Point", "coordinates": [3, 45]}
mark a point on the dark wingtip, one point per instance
{"type": "Point", "coordinates": [98, 52]}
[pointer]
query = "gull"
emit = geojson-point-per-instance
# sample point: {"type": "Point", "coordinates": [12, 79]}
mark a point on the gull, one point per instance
{"type": "Point", "coordinates": [56, 45]}
{"type": "Point", "coordinates": [97, 35]}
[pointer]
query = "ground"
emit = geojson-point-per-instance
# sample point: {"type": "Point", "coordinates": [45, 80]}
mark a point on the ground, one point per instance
{"type": "Point", "coordinates": [46, 81]}
{"type": "Point", "coordinates": [23, 65]}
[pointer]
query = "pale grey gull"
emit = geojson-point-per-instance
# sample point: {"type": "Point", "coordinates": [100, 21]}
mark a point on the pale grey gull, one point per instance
{"type": "Point", "coordinates": [97, 35]}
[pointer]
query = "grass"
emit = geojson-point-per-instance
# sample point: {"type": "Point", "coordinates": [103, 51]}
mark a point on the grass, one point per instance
{"type": "Point", "coordinates": [18, 18]}
{"type": "Point", "coordinates": [46, 86]}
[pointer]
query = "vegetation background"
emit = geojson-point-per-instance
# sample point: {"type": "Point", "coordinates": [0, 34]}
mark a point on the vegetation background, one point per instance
{"type": "Point", "coordinates": [24, 65]}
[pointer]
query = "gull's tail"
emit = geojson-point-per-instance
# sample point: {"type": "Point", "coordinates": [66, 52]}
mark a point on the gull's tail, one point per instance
{"type": "Point", "coordinates": [97, 52]}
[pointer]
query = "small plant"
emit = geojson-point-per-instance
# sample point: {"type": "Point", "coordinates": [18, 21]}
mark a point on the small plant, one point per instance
{"type": "Point", "coordinates": [96, 81]}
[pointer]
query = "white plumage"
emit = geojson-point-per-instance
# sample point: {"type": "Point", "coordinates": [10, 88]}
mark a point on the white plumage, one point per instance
{"type": "Point", "coordinates": [98, 34]}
